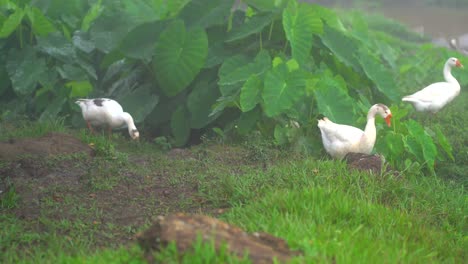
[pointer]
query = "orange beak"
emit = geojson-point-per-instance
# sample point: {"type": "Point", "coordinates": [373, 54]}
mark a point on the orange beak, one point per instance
{"type": "Point", "coordinates": [387, 119]}
{"type": "Point", "coordinates": [458, 64]}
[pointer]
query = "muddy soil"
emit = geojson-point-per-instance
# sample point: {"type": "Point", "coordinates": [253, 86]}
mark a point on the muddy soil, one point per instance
{"type": "Point", "coordinates": [60, 180]}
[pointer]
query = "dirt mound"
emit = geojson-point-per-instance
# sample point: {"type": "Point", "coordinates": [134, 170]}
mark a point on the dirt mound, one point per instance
{"type": "Point", "coordinates": [184, 229]}
{"type": "Point", "coordinates": [369, 163]}
{"type": "Point", "coordinates": [51, 144]}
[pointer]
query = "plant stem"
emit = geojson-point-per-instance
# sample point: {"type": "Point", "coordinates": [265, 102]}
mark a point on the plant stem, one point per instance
{"type": "Point", "coordinates": [271, 30]}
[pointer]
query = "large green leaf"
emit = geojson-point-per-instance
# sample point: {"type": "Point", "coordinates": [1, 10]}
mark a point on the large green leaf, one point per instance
{"type": "Point", "coordinates": [206, 13]}
{"type": "Point", "coordinates": [106, 35]}
{"type": "Point", "coordinates": [259, 66]}
{"type": "Point", "coordinates": [232, 64]}
{"type": "Point", "coordinates": [375, 71]}
{"type": "Point", "coordinates": [147, 34]}
{"type": "Point", "coordinates": [254, 25]}
{"type": "Point", "coordinates": [140, 102]}
{"type": "Point", "coordinates": [246, 122]}
{"type": "Point", "coordinates": [217, 52]}
{"type": "Point", "coordinates": [79, 88]}
{"type": "Point", "coordinates": [11, 23]}
{"type": "Point", "coordinates": [57, 46]}
{"type": "Point", "coordinates": [71, 72]}
{"type": "Point", "coordinates": [329, 16]}
{"type": "Point", "coordinates": [25, 69]}
{"type": "Point", "coordinates": [342, 46]}
{"type": "Point", "coordinates": [53, 109]}
{"type": "Point", "coordinates": [300, 22]}
{"type": "Point", "coordinates": [143, 11]}
{"type": "Point", "coordinates": [394, 144]}
{"type": "Point", "coordinates": [333, 100]}
{"type": "Point", "coordinates": [41, 25]}
{"type": "Point", "coordinates": [180, 125]}
{"type": "Point", "coordinates": [444, 143]}
{"type": "Point", "coordinates": [282, 89]}
{"type": "Point", "coordinates": [180, 54]}
{"type": "Point", "coordinates": [94, 12]}
{"type": "Point", "coordinates": [251, 93]}
{"type": "Point", "coordinates": [265, 5]}
{"type": "Point", "coordinates": [420, 144]}
{"type": "Point", "coordinates": [199, 103]}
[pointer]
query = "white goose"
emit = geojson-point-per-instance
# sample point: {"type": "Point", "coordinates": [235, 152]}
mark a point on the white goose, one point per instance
{"type": "Point", "coordinates": [340, 140]}
{"type": "Point", "coordinates": [108, 113]}
{"type": "Point", "coordinates": [435, 96]}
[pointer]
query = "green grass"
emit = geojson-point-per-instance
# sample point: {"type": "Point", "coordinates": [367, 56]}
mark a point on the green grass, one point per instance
{"type": "Point", "coordinates": [26, 128]}
{"type": "Point", "coordinates": [321, 208]}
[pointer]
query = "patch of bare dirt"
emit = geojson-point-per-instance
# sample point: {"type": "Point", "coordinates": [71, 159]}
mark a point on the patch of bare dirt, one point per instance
{"type": "Point", "coordinates": [49, 145]}
{"type": "Point", "coordinates": [117, 198]}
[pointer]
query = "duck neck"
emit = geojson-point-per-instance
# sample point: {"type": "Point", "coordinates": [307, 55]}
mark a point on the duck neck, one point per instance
{"type": "Point", "coordinates": [370, 130]}
{"type": "Point", "coordinates": [129, 121]}
{"type": "Point", "coordinates": [448, 75]}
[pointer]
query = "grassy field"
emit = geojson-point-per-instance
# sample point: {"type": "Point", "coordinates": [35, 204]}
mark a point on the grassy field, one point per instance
{"type": "Point", "coordinates": [83, 210]}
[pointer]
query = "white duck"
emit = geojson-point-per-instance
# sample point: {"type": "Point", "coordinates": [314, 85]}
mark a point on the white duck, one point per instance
{"type": "Point", "coordinates": [435, 96]}
{"type": "Point", "coordinates": [108, 113]}
{"type": "Point", "coordinates": [340, 140]}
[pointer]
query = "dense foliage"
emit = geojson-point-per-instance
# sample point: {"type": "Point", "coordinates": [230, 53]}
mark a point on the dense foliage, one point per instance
{"type": "Point", "coordinates": [183, 66]}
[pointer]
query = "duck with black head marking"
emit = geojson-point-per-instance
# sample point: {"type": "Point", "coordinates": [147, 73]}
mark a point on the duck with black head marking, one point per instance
{"type": "Point", "coordinates": [104, 112]}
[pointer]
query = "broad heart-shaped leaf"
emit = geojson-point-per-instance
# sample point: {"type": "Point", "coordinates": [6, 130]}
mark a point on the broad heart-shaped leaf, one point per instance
{"type": "Point", "coordinates": [57, 46]}
{"type": "Point", "coordinates": [71, 72]}
{"type": "Point", "coordinates": [11, 23]}
{"type": "Point", "coordinates": [254, 25]}
{"type": "Point", "coordinates": [261, 63]}
{"type": "Point", "coordinates": [376, 72]}
{"type": "Point", "coordinates": [391, 145]}
{"type": "Point", "coordinates": [232, 64]}
{"type": "Point", "coordinates": [251, 93]}
{"type": "Point", "coordinates": [333, 100]}
{"type": "Point", "coordinates": [421, 144]}
{"type": "Point", "coordinates": [282, 89]}
{"type": "Point", "coordinates": [146, 35]}
{"type": "Point", "coordinates": [180, 54]}
{"type": "Point", "coordinates": [217, 53]}
{"type": "Point", "coordinates": [79, 88]}
{"type": "Point", "coordinates": [53, 109]}
{"type": "Point", "coordinates": [246, 122]}
{"type": "Point", "coordinates": [329, 16]}
{"type": "Point", "coordinates": [25, 69]}
{"type": "Point", "coordinates": [199, 103]}
{"type": "Point", "coordinates": [206, 13]}
{"type": "Point", "coordinates": [444, 143]}
{"type": "Point", "coordinates": [105, 35]}
{"type": "Point", "coordinates": [342, 46]}
{"type": "Point", "coordinates": [180, 125]}
{"type": "Point", "coordinates": [264, 5]}
{"type": "Point", "coordinates": [300, 22]}
{"type": "Point", "coordinates": [41, 25]}
{"type": "Point", "coordinates": [140, 102]}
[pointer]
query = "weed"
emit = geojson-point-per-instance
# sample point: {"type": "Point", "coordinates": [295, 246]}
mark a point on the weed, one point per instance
{"type": "Point", "coordinates": [162, 143]}
{"type": "Point", "coordinates": [9, 198]}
